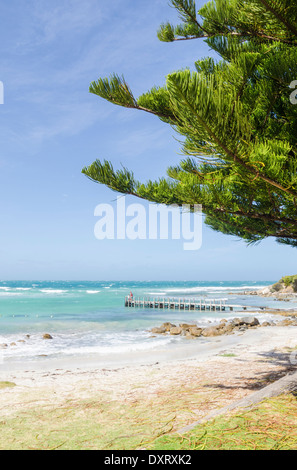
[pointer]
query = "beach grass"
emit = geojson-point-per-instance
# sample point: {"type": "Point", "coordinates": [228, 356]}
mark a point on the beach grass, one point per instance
{"type": "Point", "coordinates": [6, 384]}
{"type": "Point", "coordinates": [227, 355]}
{"type": "Point", "coordinates": [100, 422]}
{"type": "Point", "coordinates": [270, 426]}
{"type": "Point", "coordinates": [97, 424]}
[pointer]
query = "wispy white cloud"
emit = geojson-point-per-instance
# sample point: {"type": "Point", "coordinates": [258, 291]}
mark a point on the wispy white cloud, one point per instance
{"type": "Point", "coordinates": [47, 22]}
{"type": "Point", "coordinates": [58, 47]}
{"type": "Point", "coordinates": [62, 18]}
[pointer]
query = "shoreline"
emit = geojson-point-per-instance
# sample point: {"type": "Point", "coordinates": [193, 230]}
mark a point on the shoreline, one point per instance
{"type": "Point", "coordinates": [252, 343]}
{"type": "Point", "coordinates": [183, 346]}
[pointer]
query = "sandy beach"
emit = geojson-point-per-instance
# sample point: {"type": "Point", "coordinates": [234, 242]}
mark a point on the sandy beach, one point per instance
{"type": "Point", "coordinates": [197, 379]}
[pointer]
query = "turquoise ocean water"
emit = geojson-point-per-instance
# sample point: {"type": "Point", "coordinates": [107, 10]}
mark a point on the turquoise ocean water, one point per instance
{"type": "Point", "coordinates": [89, 318]}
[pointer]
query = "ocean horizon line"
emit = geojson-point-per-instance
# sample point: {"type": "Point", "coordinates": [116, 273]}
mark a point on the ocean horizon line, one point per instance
{"type": "Point", "coordinates": [137, 280]}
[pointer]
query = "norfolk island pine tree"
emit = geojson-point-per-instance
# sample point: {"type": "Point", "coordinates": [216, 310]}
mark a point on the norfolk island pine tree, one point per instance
{"type": "Point", "coordinates": [237, 122]}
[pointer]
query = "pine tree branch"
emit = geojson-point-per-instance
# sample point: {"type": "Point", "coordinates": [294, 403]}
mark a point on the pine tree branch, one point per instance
{"type": "Point", "coordinates": [267, 217]}
{"type": "Point", "coordinates": [264, 178]}
{"type": "Point", "coordinates": [116, 90]}
{"type": "Point", "coordinates": [187, 12]}
{"type": "Point", "coordinates": [245, 81]}
{"type": "Point", "coordinates": [245, 34]}
{"type": "Point", "coordinates": [273, 100]}
{"type": "Point", "coordinates": [232, 154]}
{"type": "Point", "coordinates": [255, 233]}
{"type": "Point", "coordinates": [156, 113]}
{"type": "Point", "coordinates": [278, 15]}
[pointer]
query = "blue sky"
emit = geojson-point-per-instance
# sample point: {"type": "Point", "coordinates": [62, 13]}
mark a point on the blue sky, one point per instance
{"type": "Point", "coordinates": [51, 127]}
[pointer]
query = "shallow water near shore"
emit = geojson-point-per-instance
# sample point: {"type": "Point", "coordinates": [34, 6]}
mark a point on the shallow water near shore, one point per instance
{"type": "Point", "coordinates": [88, 320]}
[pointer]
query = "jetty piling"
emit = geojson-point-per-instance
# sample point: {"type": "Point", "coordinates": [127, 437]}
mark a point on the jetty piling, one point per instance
{"type": "Point", "coordinates": [181, 304]}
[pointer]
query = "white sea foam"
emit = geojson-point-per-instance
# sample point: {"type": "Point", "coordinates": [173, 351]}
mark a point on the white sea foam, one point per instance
{"type": "Point", "coordinates": [93, 291]}
{"type": "Point", "coordinates": [70, 345]}
{"type": "Point", "coordinates": [199, 289]}
{"type": "Point", "coordinates": [116, 349]}
{"type": "Point", "coordinates": [53, 291]}
{"type": "Point", "coordinates": [9, 294]}
{"type": "Point", "coordinates": [157, 293]}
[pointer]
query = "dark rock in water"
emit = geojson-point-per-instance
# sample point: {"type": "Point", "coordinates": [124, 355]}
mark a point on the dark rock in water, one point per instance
{"type": "Point", "coordinates": [236, 322]}
{"type": "Point", "coordinates": [47, 336]}
{"type": "Point", "coordinates": [249, 321]}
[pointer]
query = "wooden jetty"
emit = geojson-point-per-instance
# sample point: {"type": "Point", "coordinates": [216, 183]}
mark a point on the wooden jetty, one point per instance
{"type": "Point", "coordinates": [181, 304]}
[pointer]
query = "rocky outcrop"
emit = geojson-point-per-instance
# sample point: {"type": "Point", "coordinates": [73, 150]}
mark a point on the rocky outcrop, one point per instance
{"type": "Point", "coordinates": [284, 289]}
{"type": "Point", "coordinates": [191, 331]}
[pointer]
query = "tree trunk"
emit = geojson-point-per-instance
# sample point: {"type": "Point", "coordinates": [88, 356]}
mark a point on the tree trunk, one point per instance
{"type": "Point", "coordinates": [287, 384]}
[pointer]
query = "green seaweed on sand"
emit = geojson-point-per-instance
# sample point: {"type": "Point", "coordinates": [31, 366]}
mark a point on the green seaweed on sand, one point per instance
{"type": "Point", "coordinates": [7, 385]}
